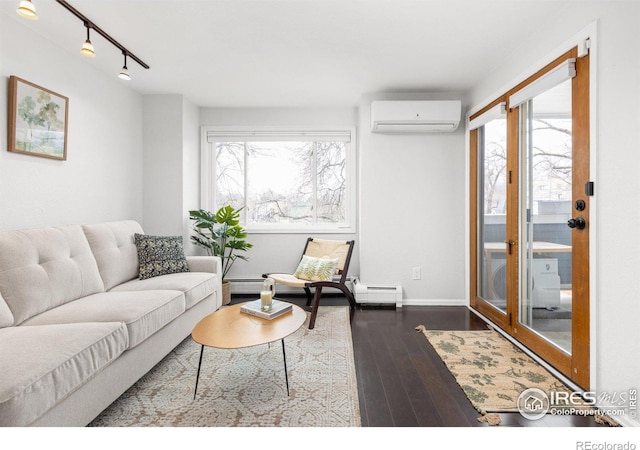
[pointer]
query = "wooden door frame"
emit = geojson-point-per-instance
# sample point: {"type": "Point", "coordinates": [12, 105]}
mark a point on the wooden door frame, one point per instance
{"type": "Point", "coordinates": [575, 366]}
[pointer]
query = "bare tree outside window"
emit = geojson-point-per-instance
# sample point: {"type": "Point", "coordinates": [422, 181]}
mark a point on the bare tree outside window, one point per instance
{"type": "Point", "coordinates": [287, 182]}
{"type": "Point", "coordinates": [495, 166]}
{"type": "Point", "coordinates": [552, 158]}
{"type": "Point", "coordinates": [551, 162]}
{"type": "Point", "coordinates": [230, 174]}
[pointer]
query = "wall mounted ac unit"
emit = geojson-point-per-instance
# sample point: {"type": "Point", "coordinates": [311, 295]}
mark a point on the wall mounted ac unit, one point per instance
{"type": "Point", "coordinates": [415, 116]}
{"type": "Point", "coordinates": [499, 278]}
{"type": "Point", "coordinates": [546, 283]}
{"type": "Point", "coordinates": [377, 294]}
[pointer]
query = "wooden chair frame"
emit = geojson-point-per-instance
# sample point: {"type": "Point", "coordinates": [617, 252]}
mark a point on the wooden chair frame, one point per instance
{"type": "Point", "coordinates": [313, 300]}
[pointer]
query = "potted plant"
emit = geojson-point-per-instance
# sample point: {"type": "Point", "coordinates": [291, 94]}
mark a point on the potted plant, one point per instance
{"type": "Point", "coordinates": [221, 235]}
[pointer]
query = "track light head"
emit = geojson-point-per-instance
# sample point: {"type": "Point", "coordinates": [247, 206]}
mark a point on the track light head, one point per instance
{"type": "Point", "coordinates": [124, 73]}
{"type": "Point", "coordinates": [27, 10]}
{"type": "Point", "coordinates": [87, 47]}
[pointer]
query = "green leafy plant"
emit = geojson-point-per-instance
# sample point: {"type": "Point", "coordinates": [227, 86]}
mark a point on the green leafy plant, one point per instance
{"type": "Point", "coordinates": [220, 234]}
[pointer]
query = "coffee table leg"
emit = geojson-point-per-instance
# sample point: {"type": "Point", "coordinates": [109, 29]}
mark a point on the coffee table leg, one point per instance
{"type": "Point", "coordinates": [286, 375]}
{"type": "Point", "coordinates": [198, 376]}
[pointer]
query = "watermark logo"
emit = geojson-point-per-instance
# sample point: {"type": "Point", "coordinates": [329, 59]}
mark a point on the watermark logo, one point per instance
{"type": "Point", "coordinates": [533, 403]}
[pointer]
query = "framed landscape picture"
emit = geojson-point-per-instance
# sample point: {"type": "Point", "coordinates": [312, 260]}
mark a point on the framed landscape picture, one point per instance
{"type": "Point", "coordinates": [37, 120]}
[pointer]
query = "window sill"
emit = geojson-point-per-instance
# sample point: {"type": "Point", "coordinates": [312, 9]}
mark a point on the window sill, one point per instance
{"type": "Point", "coordinates": [299, 230]}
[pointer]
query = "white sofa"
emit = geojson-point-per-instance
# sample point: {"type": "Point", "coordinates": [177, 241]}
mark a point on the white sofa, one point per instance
{"type": "Point", "coordinates": [77, 325]}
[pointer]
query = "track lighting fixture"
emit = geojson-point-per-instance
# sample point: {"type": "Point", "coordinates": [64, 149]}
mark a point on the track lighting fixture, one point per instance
{"type": "Point", "coordinates": [87, 47]}
{"type": "Point", "coordinates": [124, 73]}
{"type": "Point", "coordinates": [26, 9]}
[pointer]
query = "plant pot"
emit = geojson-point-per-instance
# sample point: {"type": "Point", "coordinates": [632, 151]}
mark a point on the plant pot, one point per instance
{"type": "Point", "coordinates": [226, 292]}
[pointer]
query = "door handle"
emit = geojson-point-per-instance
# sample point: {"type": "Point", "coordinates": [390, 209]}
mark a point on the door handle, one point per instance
{"type": "Point", "coordinates": [510, 244]}
{"type": "Point", "coordinates": [578, 223]}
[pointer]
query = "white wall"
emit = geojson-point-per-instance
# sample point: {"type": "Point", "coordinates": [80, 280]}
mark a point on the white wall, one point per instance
{"type": "Point", "coordinates": [101, 178]}
{"type": "Point", "coordinates": [615, 168]}
{"type": "Point", "coordinates": [171, 165]}
{"type": "Point", "coordinates": [163, 164]}
{"type": "Point", "coordinates": [279, 252]}
{"type": "Point", "coordinates": [412, 209]}
{"type": "Point", "coordinates": [190, 168]}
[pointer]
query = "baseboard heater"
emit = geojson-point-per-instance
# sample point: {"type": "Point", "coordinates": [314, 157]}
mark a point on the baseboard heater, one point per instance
{"type": "Point", "coordinates": [377, 294]}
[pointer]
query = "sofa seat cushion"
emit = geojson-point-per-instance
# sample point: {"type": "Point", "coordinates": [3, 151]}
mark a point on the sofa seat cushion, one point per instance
{"type": "Point", "coordinates": [43, 365]}
{"type": "Point", "coordinates": [143, 313]}
{"type": "Point", "coordinates": [195, 285]}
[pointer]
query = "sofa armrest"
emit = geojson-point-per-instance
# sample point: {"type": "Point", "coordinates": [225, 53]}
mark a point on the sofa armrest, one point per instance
{"type": "Point", "coordinates": [211, 264]}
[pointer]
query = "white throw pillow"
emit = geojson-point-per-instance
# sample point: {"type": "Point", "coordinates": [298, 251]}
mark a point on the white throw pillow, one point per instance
{"type": "Point", "coordinates": [316, 269]}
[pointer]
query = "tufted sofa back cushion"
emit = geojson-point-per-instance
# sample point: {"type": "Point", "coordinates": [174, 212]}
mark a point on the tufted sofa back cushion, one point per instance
{"type": "Point", "coordinates": [6, 318]}
{"type": "Point", "coordinates": [45, 267]}
{"type": "Point", "coordinates": [115, 251]}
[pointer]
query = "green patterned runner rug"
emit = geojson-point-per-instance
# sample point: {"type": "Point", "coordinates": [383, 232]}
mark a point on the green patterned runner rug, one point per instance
{"type": "Point", "coordinates": [493, 373]}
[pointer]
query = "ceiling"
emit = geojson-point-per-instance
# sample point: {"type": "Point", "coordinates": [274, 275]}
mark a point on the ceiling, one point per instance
{"type": "Point", "coordinates": [295, 53]}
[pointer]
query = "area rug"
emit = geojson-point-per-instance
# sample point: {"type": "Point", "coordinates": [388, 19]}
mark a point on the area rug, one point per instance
{"type": "Point", "coordinates": [493, 372]}
{"type": "Point", "coordinates": [246, 387]}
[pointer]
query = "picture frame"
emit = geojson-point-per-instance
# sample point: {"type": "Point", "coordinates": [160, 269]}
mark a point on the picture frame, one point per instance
{"type": "Point", "coordinates": [38, 120]}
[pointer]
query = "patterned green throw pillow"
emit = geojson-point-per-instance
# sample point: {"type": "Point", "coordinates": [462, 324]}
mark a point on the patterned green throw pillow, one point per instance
{"type": "Point", "coordinates": [160, 255]}
{"type": "Point", "coordinates": [316, 269]}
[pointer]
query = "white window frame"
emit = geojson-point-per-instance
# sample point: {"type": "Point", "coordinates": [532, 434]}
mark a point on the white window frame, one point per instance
{"type": "Point", "coordinates": [208, 175]}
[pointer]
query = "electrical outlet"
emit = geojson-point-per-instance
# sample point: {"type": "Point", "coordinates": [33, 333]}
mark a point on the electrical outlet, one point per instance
{"type": "Point", "coordinates": [415, 273]}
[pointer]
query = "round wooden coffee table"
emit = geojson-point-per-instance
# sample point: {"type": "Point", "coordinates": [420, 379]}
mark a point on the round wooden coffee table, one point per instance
{"type": "Point", "coordinates": [229, 328]}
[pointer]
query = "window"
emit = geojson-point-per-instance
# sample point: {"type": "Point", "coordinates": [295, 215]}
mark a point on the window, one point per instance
{"type": "Point", "coordinates": [286, 180]}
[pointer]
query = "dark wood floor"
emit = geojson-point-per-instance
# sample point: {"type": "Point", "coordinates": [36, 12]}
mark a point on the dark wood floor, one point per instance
{"type": "Point", "coordinates": [402, 382]}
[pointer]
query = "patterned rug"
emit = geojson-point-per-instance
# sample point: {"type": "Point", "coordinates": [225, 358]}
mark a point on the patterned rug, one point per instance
{"type": "Point", "coordinates": [493, 372]}
{"type": "Point", "coordinates": [246, 387]}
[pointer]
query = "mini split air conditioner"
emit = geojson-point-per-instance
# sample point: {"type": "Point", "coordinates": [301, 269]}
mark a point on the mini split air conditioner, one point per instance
{"type": "Point", "coordinates": [415, 116]}
{"type": "Point", "coordinates": [545, 283]}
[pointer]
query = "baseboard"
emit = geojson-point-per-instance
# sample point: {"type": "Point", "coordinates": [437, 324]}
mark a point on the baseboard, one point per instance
{"type": "Point", "coordinates": [253, 285]}
{"type": "Point", "coordinates": [434, 302]}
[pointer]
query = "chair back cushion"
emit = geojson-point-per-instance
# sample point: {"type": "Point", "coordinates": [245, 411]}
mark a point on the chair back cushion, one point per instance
{"type": "Point", "coordinates": [115, 250]}
{"type": "Point", "coordinates": [330, 249]}
{"type": "Point", "coordinates": [42, 268]}
{"type": "Point", "coordinates": [316, 269]}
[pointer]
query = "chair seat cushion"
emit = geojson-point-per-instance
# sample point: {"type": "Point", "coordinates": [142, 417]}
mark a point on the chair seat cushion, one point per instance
{"type": "Point", "coordinates": [50, 362]}
{"type": "Point", "coordinates": [195, 285]}
{"type": "Point", "coordinates": [143, 313]}
{"type": "Point", "coordinates": [288, 280]}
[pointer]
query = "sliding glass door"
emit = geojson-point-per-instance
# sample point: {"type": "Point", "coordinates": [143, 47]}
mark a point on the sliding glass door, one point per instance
{"type": "Point", "coordinates": [492, 209]}
{"type": "Point", "coordinates": [530, 214]}
{"type": "Point", "coordinates": [545, 211]}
